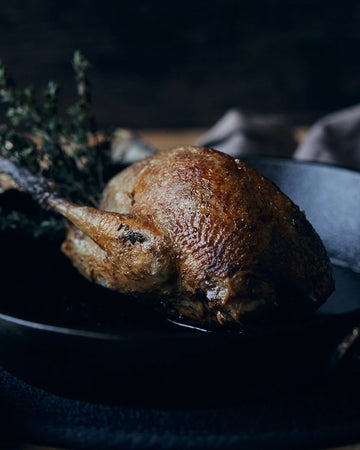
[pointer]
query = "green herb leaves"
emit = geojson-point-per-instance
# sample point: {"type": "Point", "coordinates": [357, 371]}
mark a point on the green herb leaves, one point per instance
{"type": "Point", "coordinates": [65, 148]}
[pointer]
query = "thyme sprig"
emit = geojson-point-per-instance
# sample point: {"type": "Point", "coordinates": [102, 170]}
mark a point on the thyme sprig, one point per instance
{"type": "Point", "coordinates": [63, 147]}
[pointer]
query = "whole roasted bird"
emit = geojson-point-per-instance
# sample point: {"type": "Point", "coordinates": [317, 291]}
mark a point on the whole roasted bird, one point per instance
{"type": "Point", "coordinates": [211, 239]}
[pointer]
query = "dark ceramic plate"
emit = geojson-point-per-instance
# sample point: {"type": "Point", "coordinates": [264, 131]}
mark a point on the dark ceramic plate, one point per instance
{"type": "Point", "coordinates": [59, 332]}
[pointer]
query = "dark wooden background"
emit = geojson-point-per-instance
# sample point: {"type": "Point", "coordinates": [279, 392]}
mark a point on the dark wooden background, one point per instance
{"type": "Point", "coordinates": [182, 64]}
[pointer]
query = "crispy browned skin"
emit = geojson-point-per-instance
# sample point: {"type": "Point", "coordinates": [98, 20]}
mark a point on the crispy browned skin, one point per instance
{"type": "Point", "coordinates": [214, 240]}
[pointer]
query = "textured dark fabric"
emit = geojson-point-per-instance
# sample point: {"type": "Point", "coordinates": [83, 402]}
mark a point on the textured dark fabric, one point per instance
{"type": "Point", "coordinates": [318, 416]}
{"type": "Point", "coordinates": [333, 139]}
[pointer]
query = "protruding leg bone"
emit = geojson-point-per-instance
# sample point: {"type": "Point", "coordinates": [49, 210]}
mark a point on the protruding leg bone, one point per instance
{"type": "Point", "coordinates": [124, 252]}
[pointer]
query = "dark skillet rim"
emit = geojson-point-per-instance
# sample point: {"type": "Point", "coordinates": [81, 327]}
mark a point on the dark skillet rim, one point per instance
{"type": "Point", "coordinates": [300, 162]}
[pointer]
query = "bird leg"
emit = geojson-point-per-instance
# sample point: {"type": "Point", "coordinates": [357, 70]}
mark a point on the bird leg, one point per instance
{"type": "Point", "coordinates": [127, 252]}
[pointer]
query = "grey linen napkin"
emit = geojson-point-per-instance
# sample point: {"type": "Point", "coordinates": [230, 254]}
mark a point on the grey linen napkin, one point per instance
{"type": "Point", "coordinates": [240, 134]}
{"type": "Point", "coordinates": [334, 139]}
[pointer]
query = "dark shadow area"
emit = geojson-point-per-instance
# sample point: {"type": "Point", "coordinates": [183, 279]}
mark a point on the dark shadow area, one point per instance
{"type": "Point", "coordinates": [174, 64]}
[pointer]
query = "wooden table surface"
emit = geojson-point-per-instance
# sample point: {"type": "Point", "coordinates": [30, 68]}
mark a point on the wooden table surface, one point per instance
{"type": "Point", "coordinates": [166, 139]}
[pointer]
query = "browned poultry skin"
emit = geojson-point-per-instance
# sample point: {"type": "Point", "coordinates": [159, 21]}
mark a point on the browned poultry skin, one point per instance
{"type": "Point", "coordinates": [211, 238]}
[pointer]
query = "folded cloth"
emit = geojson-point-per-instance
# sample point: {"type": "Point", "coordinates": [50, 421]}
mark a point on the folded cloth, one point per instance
{"type": "Point", "coordinates": [333, 139]}
{"type": "Point", "coordinates": [239, 134]}
{"type": "Point", "coordinates": [318, 416]}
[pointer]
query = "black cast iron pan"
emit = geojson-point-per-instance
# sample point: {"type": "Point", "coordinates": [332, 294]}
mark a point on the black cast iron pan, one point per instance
{"type": "Point", "coordinates": [61, 333]}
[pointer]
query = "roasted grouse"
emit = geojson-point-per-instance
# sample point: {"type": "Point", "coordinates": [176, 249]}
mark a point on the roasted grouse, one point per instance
{"type": "Point", "coordinates": [212, 240]}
